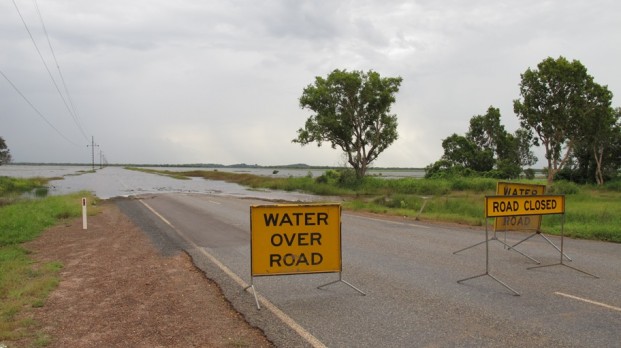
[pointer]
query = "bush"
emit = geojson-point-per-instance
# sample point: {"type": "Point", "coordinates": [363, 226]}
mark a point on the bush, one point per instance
{"type": "Point", "coordinates": [529, 173]}
{"type": "Point", "coordinates": [473, 184]}
{"type": "Point", "coordinates": [613, 185]}
{"type": "Point", "coordinates": [345, 178]}
{"type": "Point", "coordinates": [330, 176]}
{"type": "Point", "coordinates": [348, 179]}
{"type": "Point", "coordinates": [563, 187]}
{"type": "Point", "coordinates": [459, 184]}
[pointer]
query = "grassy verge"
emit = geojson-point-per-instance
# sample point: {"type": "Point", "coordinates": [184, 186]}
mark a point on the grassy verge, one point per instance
{"type": "Point", "coordinates": [591, 212]}
{"type": "Point", "coordinates": [169, 173]}
{"type": "Point", "coordinates": [12, 189]}
{"type": "Point", "coordinates": [24, 284]}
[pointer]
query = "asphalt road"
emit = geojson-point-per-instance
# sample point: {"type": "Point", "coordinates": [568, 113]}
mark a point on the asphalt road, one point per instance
{"type": "Point", "coordinates": [409, 273]}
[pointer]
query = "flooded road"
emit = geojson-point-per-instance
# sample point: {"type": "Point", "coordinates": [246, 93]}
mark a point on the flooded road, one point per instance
{"type": "Point", "coordinates": [112, 182]}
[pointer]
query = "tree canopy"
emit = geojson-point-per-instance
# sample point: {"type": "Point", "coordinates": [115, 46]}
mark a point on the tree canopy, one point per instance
{"type": "Point", "coordinates": [487, 149]}
{"type": "Point", "coordinates": [351, 112]}
{"type": "Point", "coordinates": [563, 106]}
{"type": "Point", "coordinates": [5, 154]}
{"type": "Point", "coordinates": [597, 156]}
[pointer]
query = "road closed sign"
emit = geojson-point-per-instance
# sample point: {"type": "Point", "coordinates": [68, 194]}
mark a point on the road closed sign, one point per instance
{"type": "Point", "coordinates": [295, 239]}
{"type": "Point", "coordinates": [500, 206]}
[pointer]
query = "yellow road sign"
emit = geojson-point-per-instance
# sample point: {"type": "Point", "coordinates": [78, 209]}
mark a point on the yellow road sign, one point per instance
{"type": "Point", "coordinates": [519, 189]}
{"type": "Point", "coordinates": [500, 206]}
{"type": "Point", "coordinates": [522, 223]}
{"type": "Point", "coordinates": [295, 239]}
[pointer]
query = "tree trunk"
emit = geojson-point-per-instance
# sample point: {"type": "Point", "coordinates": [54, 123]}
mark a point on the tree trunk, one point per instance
{"type": "Point", "coordinates": [551, 172]}
{"type": "Point", "coordinates": [598, 154]}
{"type": "Point", "coordinates": [558, 165]}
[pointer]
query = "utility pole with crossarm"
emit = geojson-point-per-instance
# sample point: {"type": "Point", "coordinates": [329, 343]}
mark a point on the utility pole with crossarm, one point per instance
{"type": "Point", "coordinates": [92, 146]}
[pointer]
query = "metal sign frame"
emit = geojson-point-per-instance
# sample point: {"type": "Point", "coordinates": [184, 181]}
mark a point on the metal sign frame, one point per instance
{"type": "Point", "coordinates": [494, 236]}
{"type": "Point", "coordinates": [496, 213]}
{"type": "Point", "coordinates": [517, 205]}
{"type": "Point", "coordinates": [514, 189]}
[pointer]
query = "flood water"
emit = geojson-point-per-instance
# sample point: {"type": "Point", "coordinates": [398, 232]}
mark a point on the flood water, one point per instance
{"type": "Point", "coordinates": [112, 182]}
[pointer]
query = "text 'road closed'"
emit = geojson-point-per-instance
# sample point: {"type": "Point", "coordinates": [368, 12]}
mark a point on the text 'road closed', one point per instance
{"type": "Point", "coordinates": [497, 206]}
{"type": "Point", "coordinates": [292, 239]}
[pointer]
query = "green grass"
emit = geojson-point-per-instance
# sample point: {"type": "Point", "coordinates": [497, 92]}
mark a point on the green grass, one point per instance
{"type": "Point", "coordinates": [591, 212]}
{"type": "Point", "coordinates": [12, 189]}
{"type": "Point", "coordinates": [168, 173]}
{"type": "Point", "coordinates": [25, 284]}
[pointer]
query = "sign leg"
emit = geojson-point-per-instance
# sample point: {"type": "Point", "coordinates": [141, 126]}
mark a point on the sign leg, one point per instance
{"type": "Point", "coordinates": [563, 254]}
{"type": "Point", "coordinates": [487, 239]}
{"type": "Point", "coordinates": [254, 292]}
{"type": "Point", "coordinates": [340, 280]}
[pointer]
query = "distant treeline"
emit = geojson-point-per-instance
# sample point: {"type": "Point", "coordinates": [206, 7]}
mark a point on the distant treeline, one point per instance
{"type": "Point", "coordinates": [208, 165]}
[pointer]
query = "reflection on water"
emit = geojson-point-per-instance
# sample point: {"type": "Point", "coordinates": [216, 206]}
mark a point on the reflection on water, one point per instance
{"type": "Point", "coordinates": [118, 182]}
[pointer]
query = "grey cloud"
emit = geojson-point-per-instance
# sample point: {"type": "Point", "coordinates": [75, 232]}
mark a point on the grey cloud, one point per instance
{"type": "Point", "coordinates": [169, 81]}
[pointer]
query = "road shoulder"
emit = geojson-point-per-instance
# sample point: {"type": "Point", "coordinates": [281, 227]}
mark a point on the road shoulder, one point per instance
{"type": "Point", "coordinates": [116, 289]}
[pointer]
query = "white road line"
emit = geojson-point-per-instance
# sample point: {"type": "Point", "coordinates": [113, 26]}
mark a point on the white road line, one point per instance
{"type": "Point", "coordinates": [588, 301]}
{"type": "Point", "coordinates": [312, 340]}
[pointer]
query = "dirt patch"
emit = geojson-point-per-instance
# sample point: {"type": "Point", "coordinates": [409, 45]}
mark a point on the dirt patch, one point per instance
{"type": "Point", "coordinates": [117, 290]}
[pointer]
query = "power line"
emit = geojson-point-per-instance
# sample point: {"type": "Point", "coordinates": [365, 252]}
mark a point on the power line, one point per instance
{"type": "Point", "coordinates": [35, 109]}
{"type": "Point", "coordinates": [47, 68]}
{"type": "Point", "coordinates": [62, 78]}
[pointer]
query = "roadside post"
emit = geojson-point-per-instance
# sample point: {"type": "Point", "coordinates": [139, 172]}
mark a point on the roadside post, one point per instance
{"type": "Point", "coordinates": [289, 239]}
{"type": "Point", "coordinates": [84, 224]}
{"type": "Point", "coordinates": [503, 206]}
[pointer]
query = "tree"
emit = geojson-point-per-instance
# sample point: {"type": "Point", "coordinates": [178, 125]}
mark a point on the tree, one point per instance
{"type": "Point", "coordinates": [487, 148]}
{"type": "Point", "coordinates": [597, 155]}
{"type": "Point", "coordinates": [524, 139]}
{"type": "Point", "coordinates": [5, 154]}
{"type": "Point", "coordinates": [352, 112]}
{"type": "Point", "coordinates": [464, 152]}
{"type": "Point", "coordinates": [599, 129]}
{"type": "Point", "coordinates": [557, 99]}
{"type": "Point", "coordinates": [486, 131]}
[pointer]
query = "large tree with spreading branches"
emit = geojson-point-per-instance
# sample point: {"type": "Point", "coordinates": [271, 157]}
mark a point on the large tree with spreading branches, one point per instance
{"type": "Point", "coordinates": [563, 106]}
{"type": "Point", "coordinates": [352, 112]}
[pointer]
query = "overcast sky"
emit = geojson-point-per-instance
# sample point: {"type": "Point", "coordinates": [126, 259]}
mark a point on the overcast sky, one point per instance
{"type": "Point", "coordinates": [159, 81]}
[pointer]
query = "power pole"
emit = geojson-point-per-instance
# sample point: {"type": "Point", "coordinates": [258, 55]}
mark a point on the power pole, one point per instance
{"type": "Point", "coordinates": [92, 146]}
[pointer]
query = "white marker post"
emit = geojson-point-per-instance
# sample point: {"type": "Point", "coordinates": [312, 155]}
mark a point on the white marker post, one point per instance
{"type": "Point", "coordinates": [83, 213]}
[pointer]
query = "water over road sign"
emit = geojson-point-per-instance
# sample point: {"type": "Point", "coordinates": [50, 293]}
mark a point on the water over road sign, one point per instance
{"type": "Point", "coordinates": [295, 238]}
